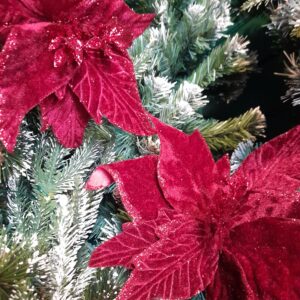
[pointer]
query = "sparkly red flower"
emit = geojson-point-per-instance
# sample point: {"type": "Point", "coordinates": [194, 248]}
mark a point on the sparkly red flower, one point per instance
{"type": "Point", "coordinates": [195, 227]}
{"type": "Point", "coordinates": [70, 57]}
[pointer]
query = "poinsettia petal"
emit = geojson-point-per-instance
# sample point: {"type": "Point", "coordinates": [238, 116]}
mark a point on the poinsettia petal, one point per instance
{"type": "Point", "coordinates": [177, 267]}
{"type": "Point", "coordinates": [230, 280]}
{"type": "Point", "coordinates": [138, 186]}
{"type": "Point", "coordinates": [267, 252]}
{"type": "Point", "coordinates": [100, 179]}
{"type": "Point", "coordinates": [186, 170]}
{"type": "Point", "coordinates": [54, 10]}
{"type": "Point", "coordinates": [137, 23]}
{"type": "Point", "coordinates": [122, 249]}
{"type": "Point", "coordinates": [15, 12]}
{"type": "Point", "coordinates": [223, 167]}
{"type": "Point", "coordinates": [107, 86]}
{"type": "Point", "coordinates": [273, 179]}
{"type": "Point", "coordinates": [67, 117]}
{"type": "Point", "coordinates": [59, 10]}
{"type": "Point", "coordinates": [95, 14]}
{"type": "Point", "coordinates": [40, 9]}
{"type": "Point", "coordinates": [106, 10]}
{"type": "Point", "coordinates": [27, 77]}
{"type": "Point", "coordinates": [34, 7]}
{"type": "Point", "coordinates": [73, 10]}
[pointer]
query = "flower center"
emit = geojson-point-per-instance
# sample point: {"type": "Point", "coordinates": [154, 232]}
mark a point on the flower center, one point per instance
{"type": "Point", "coordinates": [71, 40]}
{"type": "Point", "coordinates": [218, 226]}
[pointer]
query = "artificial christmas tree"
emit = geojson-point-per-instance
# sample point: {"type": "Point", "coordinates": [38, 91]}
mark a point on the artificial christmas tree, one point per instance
{"type": "Point", "coordinates": [191, 54]}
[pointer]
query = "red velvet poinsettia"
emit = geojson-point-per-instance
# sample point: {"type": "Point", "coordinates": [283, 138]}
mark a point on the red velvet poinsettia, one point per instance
{"type": "Point", "coordinates": [197, 228]}
{"type": "Point", "coordinates": [70, 57]}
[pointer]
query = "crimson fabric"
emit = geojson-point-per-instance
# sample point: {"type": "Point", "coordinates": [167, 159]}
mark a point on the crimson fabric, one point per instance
{"type": "Point", "coordinates": [178, 265]}
{"type": "Point", "coordinates": [273, 176]}
{"type": "Point", "coordinates": [22, 83]}
{"type": "Point", "coordinates": [260, 261]}
{"type": "Point", "coordinates": [223, 167]}
{"type": "Point", "coordinates": [134, 239]}
{"type": "Point", "coordinates": [67, 117]}
{"type": "Point", "coordinates": [183, 194]}
{"type": "Point", "coordinates": [15, 12]}
{"type": "Point", "coordinates": [80, 44]}
{"type": "Point", "coordinates": [238, 237]}
{"type": "Point", "coordinates": [144, 202]}
{"type": "Point", "coordinates": [106, 86]}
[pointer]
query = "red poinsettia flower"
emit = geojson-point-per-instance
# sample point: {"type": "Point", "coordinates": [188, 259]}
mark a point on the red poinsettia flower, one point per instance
{"type": "Point", "coordinates": [70, 57]}
{"type": "Point", "coordinates": [197, 228]}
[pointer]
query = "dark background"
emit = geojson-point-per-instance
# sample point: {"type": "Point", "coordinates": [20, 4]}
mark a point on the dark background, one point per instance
{"type": "Point", "coordinates": [263, 87]}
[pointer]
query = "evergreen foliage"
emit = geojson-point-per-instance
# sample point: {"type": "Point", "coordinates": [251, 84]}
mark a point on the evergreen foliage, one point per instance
{"type": "Point", "coordinates": [292, 75]}
{"type": "Point", "coordinates": [187, 52]}
{"type": "Point", "coordinates": [240, 154]}
{"type": "Point", "coordinates": [250, 4]}
{"type": "Point", "coordinates": [284, 23]}
{"type": "Point", "coordinates": [50, 222]}
{"type": "Point", "coordinates": [49, 216]}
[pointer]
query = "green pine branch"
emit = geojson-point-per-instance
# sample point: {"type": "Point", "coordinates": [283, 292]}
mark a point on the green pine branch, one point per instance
{"type": "Point", "coordinates": [292, 75]}
{"type": "Point", "coordinates": [107, 284]}
{"type": "Point", "coordinates": [17, 162]}
{"type": "Point", "coordinates": [251, 4]}
{"type": "Point", "coordinates": [14, 269]}
{"type": "Point", "coordinates": [240, 154]}
{"type": "Point", "coordinates": [226, 59]}
{"type": "Point", "coordinates": [226, 135]}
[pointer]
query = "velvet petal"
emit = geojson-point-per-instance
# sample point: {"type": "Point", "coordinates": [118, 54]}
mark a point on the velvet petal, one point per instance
{"type": "Point", "coordinates": [107, 86]}
{"type": "Point", "coordinates": [54, 10]}
{"type": "Point", "coordinates": [186, 170]}
{"type": "Point", "coordinates": [67, 117]}
{"type": "Point", "coordinates": [13, 12]}
{"type": "Point", "coordinates": [49, 10]}
{"type": "Point", "coordinates": [138, 186]}
{"type": "Point", "coordinates": [94, 14]}
{"type": "Point", "coordinates": [127, 17]}
{"type": "Point", "coordinates": [223, 168]}
{"type": "Point", "coordinates": [130, 21]}
{"type": "Point", "coordinates": [99, 180]}
{"type": "Point", "coordinates": [134, 239]}
{"type": "Point", "coordinates": [122, 249]}
{"type": "Point", "coordinates": [230, 282]}
{"type": "Point", "coordinates": [267, 252]}
{"type": "Point", "coordinates": [176, 267]}
{"type": "Point", "coordinates": [27, 77]}
{"type": "Point", "coordinates": [273, 179]}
